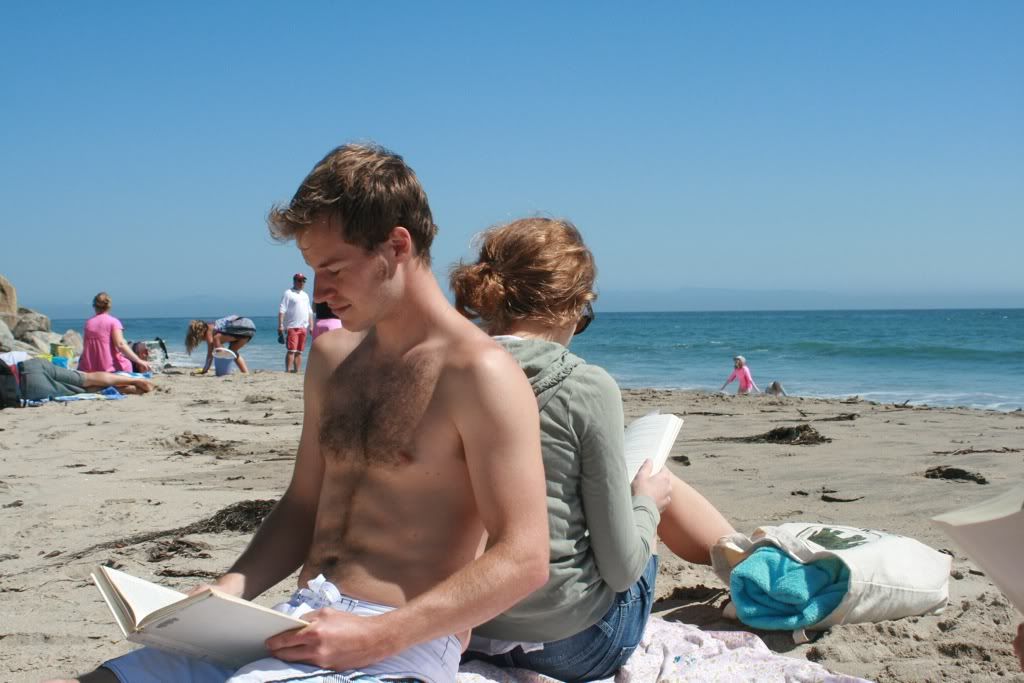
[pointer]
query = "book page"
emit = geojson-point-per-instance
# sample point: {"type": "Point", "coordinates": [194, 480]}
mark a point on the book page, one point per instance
{"type": "Point", "coordinates": [140, 596]}
{"type": "Point", "coordinates": [650, 438]}
{"type": "Point", "coordinates": [216, 627]}
{"type": "Point", "coordinates": [990, 534]}
{"type": "Point", "coordinates": [122, 613]}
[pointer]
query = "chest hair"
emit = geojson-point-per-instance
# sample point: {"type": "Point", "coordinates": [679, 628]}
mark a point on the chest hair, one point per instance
{"type": "Point", "coordinates": [373, 408]}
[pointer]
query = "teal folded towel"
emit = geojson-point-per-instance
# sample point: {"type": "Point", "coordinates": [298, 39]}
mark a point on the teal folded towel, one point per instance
{"type": "Point", "coordinates": [775, 592]}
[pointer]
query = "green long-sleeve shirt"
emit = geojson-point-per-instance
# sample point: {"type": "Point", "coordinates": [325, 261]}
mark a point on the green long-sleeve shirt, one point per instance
{"type": "Point", "coordinates": [601, 536]}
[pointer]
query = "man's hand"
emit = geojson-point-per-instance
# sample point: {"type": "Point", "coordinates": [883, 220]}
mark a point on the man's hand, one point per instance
{"type": "Point", "coordinates": [335, 640]}
{"type": "Point", "coordinates": [230, 583]}
{"type": "Point", "coordinates": [658, 486]}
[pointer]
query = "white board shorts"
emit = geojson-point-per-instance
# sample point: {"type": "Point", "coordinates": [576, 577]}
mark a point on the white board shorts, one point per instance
{"type": "Point", "coordinates": [435, 661]}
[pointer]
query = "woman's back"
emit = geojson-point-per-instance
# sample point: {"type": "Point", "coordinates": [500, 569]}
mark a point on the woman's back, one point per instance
{"type": "Point", "coordinates": [601, 538]}
{"type": "Point", "coordinates": [99, 352]}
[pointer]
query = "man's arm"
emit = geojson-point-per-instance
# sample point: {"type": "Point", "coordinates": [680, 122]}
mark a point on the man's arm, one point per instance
{"type": "Point", "coordinates": [496, 415]}
{"type": "Point", "coordinates": [282, 541]}
{"type": "Point", "coordinates": [497, 418]}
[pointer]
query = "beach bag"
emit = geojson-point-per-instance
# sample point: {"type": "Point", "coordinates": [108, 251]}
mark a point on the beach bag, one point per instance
{"type": "Point", "coordinates": [10, 397]}
{"type": "Point", "coordinates": [889, 576]}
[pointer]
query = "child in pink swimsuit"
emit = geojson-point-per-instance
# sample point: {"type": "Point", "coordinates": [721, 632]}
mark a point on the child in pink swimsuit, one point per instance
{"type": "Point", "coordinates": [742, 373]}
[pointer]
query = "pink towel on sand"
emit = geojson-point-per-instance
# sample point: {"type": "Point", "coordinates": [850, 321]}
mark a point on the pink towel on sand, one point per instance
{"type": "Point", "coordinates": [673, 651]}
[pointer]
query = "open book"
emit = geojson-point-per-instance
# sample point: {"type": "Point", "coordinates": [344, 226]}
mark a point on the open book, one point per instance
{"type": "Point", "coordinates": [990, 533]}
{"type": "Point", "coordinates": [650, 438]}
{"type": "Point", "coordinates": [211, 625]}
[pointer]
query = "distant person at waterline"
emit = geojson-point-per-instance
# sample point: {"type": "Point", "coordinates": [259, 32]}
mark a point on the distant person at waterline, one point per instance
{"type": "Point", "coordinates": [231, 332]}
{"type": "Point", "coordinates": [742, 373]}
{"type": "Point", "coordinates": [775, 389]}
{"type": "Point", "coordinates": [294, 321]}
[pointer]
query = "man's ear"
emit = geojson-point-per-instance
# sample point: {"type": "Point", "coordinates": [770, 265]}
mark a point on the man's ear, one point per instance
{"type": "Point", "coordinates": [400, 244]}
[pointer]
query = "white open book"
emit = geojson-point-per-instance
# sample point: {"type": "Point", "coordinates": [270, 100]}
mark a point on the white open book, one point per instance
{"type": "Point", "coordinates": [650, 438]}
{"type": "Point", "coordinates": [991, 534]}
{"type": "Point", "coordinates": [211, 625]}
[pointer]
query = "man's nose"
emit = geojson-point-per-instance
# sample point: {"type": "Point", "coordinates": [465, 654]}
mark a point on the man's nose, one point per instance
{"type": "Point", "coordinates": [319, 291]}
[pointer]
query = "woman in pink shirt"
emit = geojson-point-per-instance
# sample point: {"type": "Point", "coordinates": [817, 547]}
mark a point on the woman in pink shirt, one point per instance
{"type": "Point", "coordinates": [325, 320]}
{"type": "Point", "coordinates": [103, 346]}
{"type": "Point", "coordinates": [742, 373]}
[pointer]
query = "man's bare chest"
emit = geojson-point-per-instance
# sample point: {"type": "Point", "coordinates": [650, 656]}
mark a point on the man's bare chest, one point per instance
{"type": "Point", "coordinates": [379, 413]}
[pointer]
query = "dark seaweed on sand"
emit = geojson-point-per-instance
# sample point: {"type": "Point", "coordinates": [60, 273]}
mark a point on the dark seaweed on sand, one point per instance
{"type": "Point", "coordinates": [244, 516]}
{"type": "Point", "coordinates": [800, 435]}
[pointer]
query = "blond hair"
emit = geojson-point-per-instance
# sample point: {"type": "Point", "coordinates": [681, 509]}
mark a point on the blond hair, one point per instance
{"type": "Point", "coordinates": [101, 302]}
{"type": "Point", "coordinates": [196, 333]}
{"type": "Point", "coordinates": [530, 269]}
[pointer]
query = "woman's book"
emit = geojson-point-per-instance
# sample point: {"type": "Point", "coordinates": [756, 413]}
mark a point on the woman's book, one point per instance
{"type": "Point", "coordinates": [210, 625]}
{"type": "Point", "coordinates": [650, 438]}
{"type": "Point", "coordinates": [991, 534]}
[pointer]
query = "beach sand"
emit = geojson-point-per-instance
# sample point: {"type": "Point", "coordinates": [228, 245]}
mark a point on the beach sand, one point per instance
{"type": "Point", "coordinates": [98, 482]}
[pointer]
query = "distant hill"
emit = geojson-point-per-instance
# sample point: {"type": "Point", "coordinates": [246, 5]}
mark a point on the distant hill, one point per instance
{"type": "Point", "coordinates": [684, 299]}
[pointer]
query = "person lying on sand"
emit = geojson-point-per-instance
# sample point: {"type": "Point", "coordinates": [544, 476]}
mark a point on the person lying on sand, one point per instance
{"type": "Point", "coordinates": [418, 487]}
{"type": "Point", "coordinates": [40, 380]}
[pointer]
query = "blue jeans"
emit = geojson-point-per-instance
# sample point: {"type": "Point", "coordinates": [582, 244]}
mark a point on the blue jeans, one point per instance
{"type": "Point", "coordinates": [599, 651]}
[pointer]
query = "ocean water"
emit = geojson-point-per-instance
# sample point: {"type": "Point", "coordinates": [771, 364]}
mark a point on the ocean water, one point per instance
{"type": "Point", "coordinates": [936, 357]}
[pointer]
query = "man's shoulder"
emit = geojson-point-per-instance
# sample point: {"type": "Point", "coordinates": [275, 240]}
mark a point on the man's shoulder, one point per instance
{"type": "Point", "coordinates": [331, 348]}
{"type": "Point", "coordinates": [471, 357]}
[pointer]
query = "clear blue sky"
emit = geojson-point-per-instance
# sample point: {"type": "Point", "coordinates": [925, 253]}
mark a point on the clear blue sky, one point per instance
{"type": "Point", "coordinates": [862, 149]}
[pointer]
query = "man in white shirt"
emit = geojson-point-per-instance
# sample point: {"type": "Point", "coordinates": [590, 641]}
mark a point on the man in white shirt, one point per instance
{"type": "Point", "coordinates": [294, 320]}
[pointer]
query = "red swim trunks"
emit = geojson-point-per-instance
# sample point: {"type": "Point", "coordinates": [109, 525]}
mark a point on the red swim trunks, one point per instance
{"type": "Point", "coordinates": [296, 339]}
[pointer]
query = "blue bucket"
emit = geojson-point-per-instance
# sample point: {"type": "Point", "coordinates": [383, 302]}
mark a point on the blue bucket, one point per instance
{"type": "Point", "coordinates": [223, 362]}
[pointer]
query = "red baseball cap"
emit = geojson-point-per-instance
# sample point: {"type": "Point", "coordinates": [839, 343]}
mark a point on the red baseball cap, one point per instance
{"type": "Point", "coordinates": [298, 276]}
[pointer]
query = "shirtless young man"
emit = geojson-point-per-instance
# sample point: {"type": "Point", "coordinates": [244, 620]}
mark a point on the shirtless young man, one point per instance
{"type": "Point", "coordinates": [418, 482]}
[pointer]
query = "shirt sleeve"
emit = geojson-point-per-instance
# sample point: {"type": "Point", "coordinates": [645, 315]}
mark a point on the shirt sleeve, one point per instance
{"type": "Point", "coordinates": [734, 375]}
{"type": "Point", "coordinates": [622, 527]}
{"type": "Point", "coordinates": [284, 303]}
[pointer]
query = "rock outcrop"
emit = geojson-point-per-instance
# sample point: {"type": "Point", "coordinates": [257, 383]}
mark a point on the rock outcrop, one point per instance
{"type": "Point", "coordinates": [74, 340]}
{"type": "Point", "coordinates": [8, 303]}
{"type": "Point", "coordinates": [6, 338]}
{"type": "Point", "coordinates": [30, 321]}
{"type": "Point", "coordinates": [41, 340]}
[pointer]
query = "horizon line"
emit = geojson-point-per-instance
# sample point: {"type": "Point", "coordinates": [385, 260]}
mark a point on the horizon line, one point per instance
{"type": "Point", "coordinates": [765, 310]}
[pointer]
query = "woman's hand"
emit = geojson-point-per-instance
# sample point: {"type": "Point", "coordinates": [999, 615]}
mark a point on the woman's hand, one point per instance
{"type": "Point", "coordinates": [657, 487]}
{"type": "Point", "coordinates": [143, 365]}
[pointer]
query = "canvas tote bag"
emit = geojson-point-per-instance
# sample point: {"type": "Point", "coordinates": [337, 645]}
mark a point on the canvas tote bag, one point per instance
{"type": "Point", "coordinates": [890, 576]}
